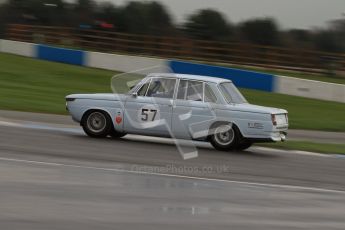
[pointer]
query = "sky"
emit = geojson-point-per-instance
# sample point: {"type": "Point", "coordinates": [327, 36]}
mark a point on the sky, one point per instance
{"type": "Point", "coordinates": [302, 14]}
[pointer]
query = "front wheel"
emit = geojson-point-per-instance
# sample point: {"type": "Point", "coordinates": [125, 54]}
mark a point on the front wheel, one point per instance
{"type": "Point", "coordinates": [225, 137]}
{"type": "Point", "coordinates": [243, 146]}
{"type": "Point", "coordinates": [115, 134]}
{"type": "Point", "coordinates": [97, 124]}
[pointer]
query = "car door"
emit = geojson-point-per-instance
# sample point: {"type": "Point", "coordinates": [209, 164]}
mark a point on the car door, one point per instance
{"type": "Point", "coordinates": [192, 114]}
{"type": "Point", "coordinates": [150, 110]}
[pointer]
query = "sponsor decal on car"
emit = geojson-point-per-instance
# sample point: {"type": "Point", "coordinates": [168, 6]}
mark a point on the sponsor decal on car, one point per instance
{"type": "Point", "coordinates": [255, 125]}
{"type": "Point", "coordinates": [118, 118]}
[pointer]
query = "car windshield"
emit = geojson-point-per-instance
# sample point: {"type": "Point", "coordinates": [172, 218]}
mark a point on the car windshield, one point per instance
{"type": "Point", "coordinates": [138, 85]}
{"type": "Point", "coordinates": [231, 93]}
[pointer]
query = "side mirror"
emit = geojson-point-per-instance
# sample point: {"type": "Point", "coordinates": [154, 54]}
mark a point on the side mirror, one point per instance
{"type": "Point", "coordinates": [135, 94]}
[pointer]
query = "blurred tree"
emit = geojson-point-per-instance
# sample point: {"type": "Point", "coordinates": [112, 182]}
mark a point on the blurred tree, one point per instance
{"type": "Point", "coordinates": [159, 19]}
{"type": "Point", "coordinates": [208, 24]}
{"type": "Point", "coordinates": [84, 11]}
{"type": "Point", "coordinates": [338, 26]}
{"type": "Point", "coordinates": [135, 18]}
{"type": "Point", "coordinates": [298, 38]}
{"type": "Point", "coordinates": [2, 19]}
{"type": "Point", "coordinates": [47, 12]}
{"type": "Point", "coordinates": [145, 18]}
{"type": "Point", "coordinates": [300, 35]}
{"type": "Point", "coordinates": [107, 11]}
{"type": "Point", "coordinates": [262, 31]}
{"type": "Point", "coordinates": [326, 40]}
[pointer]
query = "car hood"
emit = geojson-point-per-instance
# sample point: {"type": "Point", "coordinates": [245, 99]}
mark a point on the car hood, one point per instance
{"type": "Point", "coordinates": [259, 109]}
{"type": "Point", "coordinates": [97, 96]}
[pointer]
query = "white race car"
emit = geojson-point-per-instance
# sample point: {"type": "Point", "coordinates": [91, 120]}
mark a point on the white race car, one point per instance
{"type": "Point", "coordinates": [183, 107]}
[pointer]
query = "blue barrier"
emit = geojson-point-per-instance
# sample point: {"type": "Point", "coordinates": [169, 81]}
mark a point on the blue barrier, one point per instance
{"type": "Point", "coordinates": [241, 78]}
{"type": "Point", "coordinates": [69, 56]}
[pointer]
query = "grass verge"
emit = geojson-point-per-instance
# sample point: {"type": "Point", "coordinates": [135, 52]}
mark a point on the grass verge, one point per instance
{"type": "Point", "coordinates": [39, 86]}
{"type": "Point", "coordinates": [304, 113]}
{"type": "Point", "coordinates": [307, 146]}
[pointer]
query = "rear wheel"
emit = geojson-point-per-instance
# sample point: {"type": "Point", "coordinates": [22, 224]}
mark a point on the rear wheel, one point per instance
{"type": "Point", "coordinates": [225, 137]}
{"type": "Point", "coordinates": [97, 124]}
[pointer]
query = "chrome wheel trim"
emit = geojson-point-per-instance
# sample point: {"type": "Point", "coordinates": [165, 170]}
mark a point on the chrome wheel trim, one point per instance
{"type": "Point", "coordinates": [96, 122]}
{"type": "Point", "coordinates": [224, 135]}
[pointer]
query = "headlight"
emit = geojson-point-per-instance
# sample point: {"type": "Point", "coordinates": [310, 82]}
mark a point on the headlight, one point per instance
{"type": "Point", "coordinates": [273, 117]}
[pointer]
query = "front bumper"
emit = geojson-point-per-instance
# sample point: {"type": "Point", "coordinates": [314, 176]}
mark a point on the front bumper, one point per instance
{"type": "Point", "coordinates": [278, 136]}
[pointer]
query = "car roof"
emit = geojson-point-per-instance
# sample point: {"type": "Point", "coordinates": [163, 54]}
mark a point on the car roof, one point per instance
{"type": "Point", "coordinates": [190, 77]}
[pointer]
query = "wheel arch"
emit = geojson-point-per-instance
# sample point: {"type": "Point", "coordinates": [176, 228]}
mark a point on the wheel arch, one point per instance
{"type": "Point", "coordinates": [217, 123]}
{"type": "Point", "coordinates": [90, 110]}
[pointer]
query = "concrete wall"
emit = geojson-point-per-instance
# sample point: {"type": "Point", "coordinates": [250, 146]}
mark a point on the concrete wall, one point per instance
{"type": "Point", "coordinates": [126, 63]}
{"type": "Point", "coordinates": [310, 89]}
{"type": "Point", "coordinates": [19, 48]}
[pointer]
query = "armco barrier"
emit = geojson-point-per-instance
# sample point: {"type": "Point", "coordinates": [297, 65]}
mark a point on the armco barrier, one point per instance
{"type": "Point", "coordinates": [69, 56]}
{"type": "Point", "coordinates": [241, 78]}
{"type": "Point", "coordinates": [125, 63]}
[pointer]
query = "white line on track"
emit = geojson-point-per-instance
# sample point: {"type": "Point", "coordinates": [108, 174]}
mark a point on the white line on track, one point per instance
{"type": "Point", "coordinates": [293, 151]}
{"type": "Point", "coordinates": [7, 123]}
{"type": "Point", "coordinates": [171, 175]}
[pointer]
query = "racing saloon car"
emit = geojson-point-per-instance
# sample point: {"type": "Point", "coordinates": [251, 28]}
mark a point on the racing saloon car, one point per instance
{"type": "Point", "coordinates": [180, 106]}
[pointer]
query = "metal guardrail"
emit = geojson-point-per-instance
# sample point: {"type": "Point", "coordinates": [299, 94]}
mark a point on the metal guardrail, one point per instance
{"type": "Point", "coordinates": [180, 47]}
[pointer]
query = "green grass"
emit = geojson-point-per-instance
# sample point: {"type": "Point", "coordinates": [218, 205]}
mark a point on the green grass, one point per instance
{"type": "Point", "coordinates": [304, 113]}
{"type": "Point", "coordinates": [308, 146]}
{"type": "Point", "coordinates": [39, 86]}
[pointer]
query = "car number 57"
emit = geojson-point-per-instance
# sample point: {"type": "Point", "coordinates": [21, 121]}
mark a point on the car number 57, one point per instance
{"type": "Point", "coordinates": [146, 114]}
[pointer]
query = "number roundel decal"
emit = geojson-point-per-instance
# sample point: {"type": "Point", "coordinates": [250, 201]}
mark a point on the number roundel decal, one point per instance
{"type": "Point", "coordinates": [148, 113]}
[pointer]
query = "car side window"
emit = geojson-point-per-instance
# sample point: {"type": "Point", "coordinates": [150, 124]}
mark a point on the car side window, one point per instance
{"type": "Point", "coordinates": [143, 89]}
{"type": "Point", "coordinates": [162, 88]}
{"type": "Point", "coordinates": [182, 90]}
{"type": "Point", "coordinates": [195, 91]}
{"type": "Point", "coordinates": [209, 94]}
{"type": "Point", "coordinates": [190, 90]}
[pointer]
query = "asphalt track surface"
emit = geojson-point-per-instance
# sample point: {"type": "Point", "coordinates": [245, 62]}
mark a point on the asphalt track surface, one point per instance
{"type": "Point", "coordinates": [54, 177]}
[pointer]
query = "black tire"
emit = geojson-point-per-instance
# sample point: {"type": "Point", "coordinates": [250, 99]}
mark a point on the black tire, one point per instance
{"type": "Point", "coordinates": [243, 146]}
{"type": "Point", "coordinates": [115, 134]}
{"type": "Point", "coordinates": [97, 124]}
{"type": "Point", "coordinates": [224, 137]}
